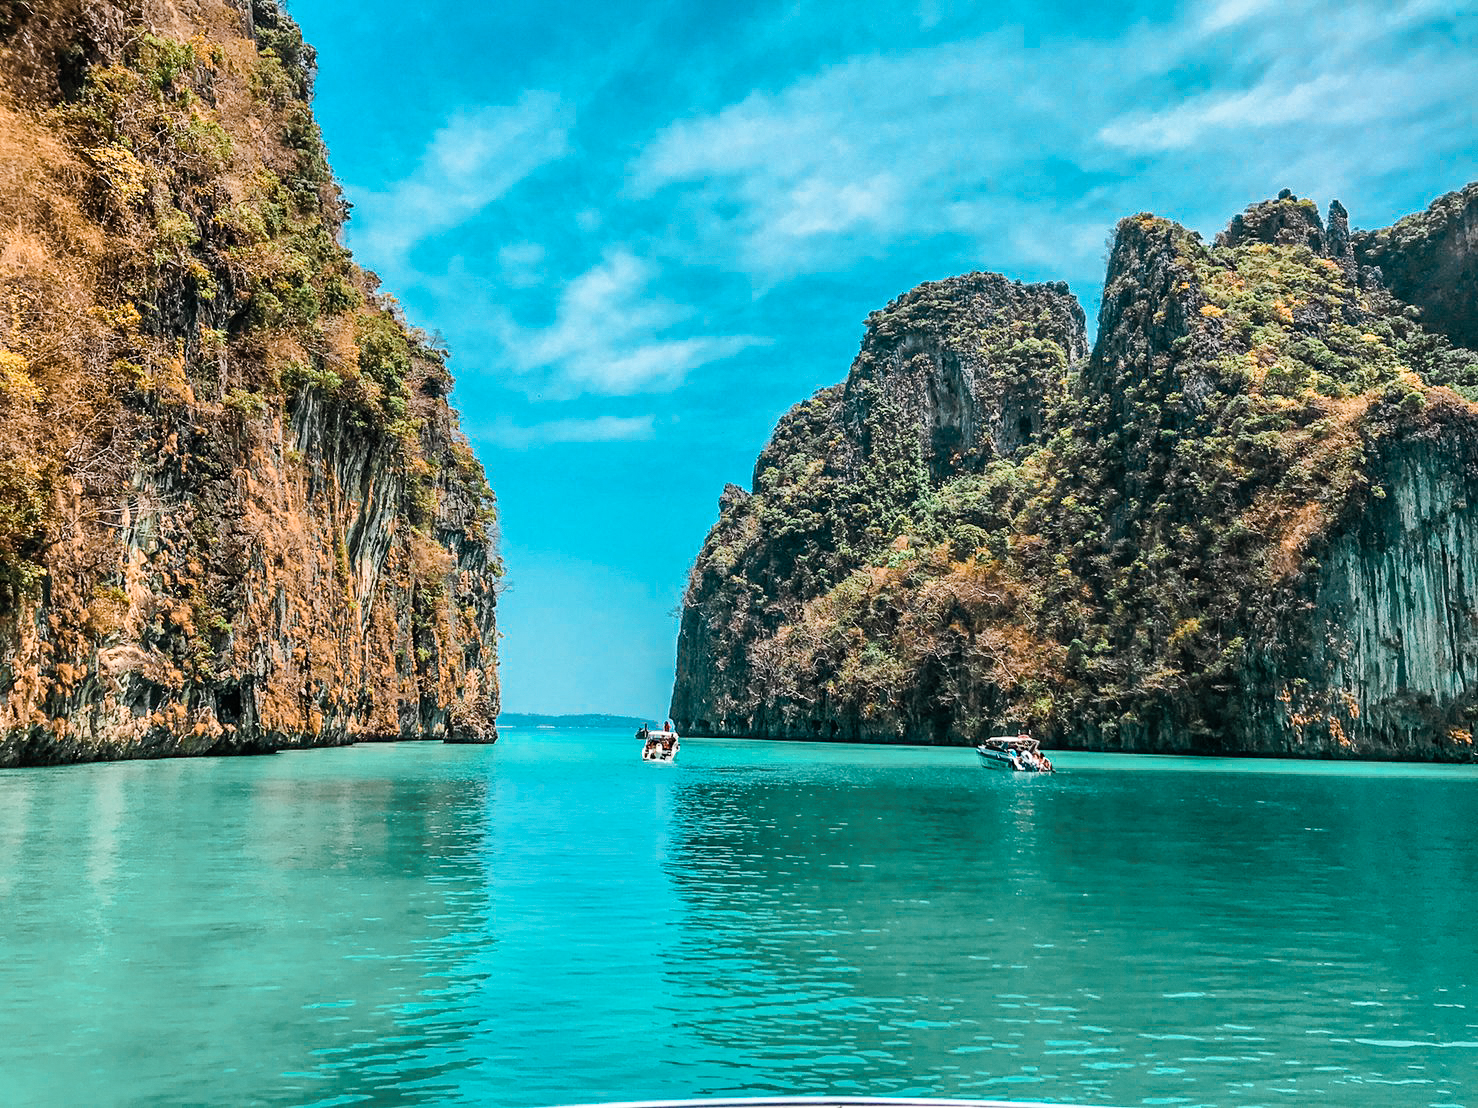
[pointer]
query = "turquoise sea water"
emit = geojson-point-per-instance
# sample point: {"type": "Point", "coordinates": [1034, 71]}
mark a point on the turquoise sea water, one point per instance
{"type": "Point", "coordinates": [551, 920]}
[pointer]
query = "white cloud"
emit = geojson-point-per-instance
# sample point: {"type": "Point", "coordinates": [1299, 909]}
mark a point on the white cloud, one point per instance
{"type": "Point", "coordinates": [817, 207]}
{"type": "Point", "coordinates": [472, 161]}
{"type": "Point", "coordinates": [612, 335]}
{"type": "Point", "coordinates": [1271, 103]}
{"type": "Point", "coordinates": [857, 153]}
{"type": "Point", "coordinates": [975, 137]}
{"type": "Point", "coordinates": [1373, 69]}
{"type": "Point", "coordinates": [1229, 13]}
{"type": "Point", "coordinates": [606, 428]}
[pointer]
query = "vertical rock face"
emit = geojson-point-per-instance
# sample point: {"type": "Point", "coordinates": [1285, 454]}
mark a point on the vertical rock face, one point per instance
{"type": "Point", "coordinates": [1243, 524]}
{"type": "Point", "coordinates": [1430, 260]}
{"type": "Point", "coordinates": [236, 513]}
{"type": "Point", "coordinates": [1392, 632]}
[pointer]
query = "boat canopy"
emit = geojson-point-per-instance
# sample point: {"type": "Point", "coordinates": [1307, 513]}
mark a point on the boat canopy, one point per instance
{"type": "Point", "coordinates": [1011, 742]}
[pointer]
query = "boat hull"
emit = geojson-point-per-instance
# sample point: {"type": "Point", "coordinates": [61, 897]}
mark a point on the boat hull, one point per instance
{"type": "Point", "coordinates": [656, 748]}
{"type": "Point", "coordinates": [1001, 762]}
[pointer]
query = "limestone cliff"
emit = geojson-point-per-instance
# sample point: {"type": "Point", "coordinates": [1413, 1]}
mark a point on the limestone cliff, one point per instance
{"type": "Point", "coordinates": [950, 389]}
{"type": "Point", "coordinates": [236, 513]}
{"type": "Point", "coordinates": [1242, 524]}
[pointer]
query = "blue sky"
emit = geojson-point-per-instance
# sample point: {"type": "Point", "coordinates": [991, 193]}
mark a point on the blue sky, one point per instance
{"type": "Point", "coordinates": [648, 229]}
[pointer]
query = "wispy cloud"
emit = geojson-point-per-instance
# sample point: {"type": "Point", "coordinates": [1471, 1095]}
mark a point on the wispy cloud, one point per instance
{"type": "Point", "coordinates": [606, 428]}
{"type": "Point", "coordinates": [976, 136]}
{"type": "Point", "coordinates": [1376, 68]}
{"type": "Point", "coordinates": [1230, 13]}
{"type": "Point", "coordinates": [614, 334]}
{"type": "Point", "coordinates": [1270, 103]}
{"type": "Point", "coordinates": [851, 154]}
{"type": "Point", "coordinates": [472, 161]}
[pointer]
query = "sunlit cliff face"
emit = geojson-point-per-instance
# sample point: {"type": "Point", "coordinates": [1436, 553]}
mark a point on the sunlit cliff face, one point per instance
{"type": "Point", "coordinates": [235, 509]}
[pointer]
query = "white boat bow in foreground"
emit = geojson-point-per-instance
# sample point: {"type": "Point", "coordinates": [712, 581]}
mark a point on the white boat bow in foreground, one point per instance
{"type": "Point", "coordinates": [828, 1102]}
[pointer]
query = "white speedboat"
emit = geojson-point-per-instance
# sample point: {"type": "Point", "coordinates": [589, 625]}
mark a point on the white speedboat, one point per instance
{"type": "Point", "coordinates": [658, 746]}
{"type": "Point", "coordinates": [1014, 754]}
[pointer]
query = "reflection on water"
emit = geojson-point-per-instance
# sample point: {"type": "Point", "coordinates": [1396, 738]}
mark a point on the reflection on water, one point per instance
{"type": "Point", "coordinates": [1099, 936]}
{"type": "Point", "coordinates": [280, 929]}
{"type": "Point", "coordinates": [553, 921]}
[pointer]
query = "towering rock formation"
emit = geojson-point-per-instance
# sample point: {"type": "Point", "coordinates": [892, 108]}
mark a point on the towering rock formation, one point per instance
{"type": "Point", "coordinates": [236, 513]}
{"type": "Point", "coordinates": [1243, 524]}
{"type": "Point", "coordinates": [950, 389]}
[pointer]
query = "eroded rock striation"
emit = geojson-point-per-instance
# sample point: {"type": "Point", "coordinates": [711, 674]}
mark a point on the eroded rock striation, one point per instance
{"type": "Point", "coordinates": [236, 513]}
{"type": "Point", "coordinates": [1244, 523]}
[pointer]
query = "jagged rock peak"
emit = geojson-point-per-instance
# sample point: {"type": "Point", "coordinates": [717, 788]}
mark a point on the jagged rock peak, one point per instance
{"type": "Point", "coordinates": [732, 496]}
{"type": "Point", "coordinates": [1337, 240]}
{"type": "Point", "coordinates": [1285, 221]}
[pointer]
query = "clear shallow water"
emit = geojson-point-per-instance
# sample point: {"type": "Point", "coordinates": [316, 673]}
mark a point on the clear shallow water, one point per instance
{"type": "Point", "coordinates": [551, 920]}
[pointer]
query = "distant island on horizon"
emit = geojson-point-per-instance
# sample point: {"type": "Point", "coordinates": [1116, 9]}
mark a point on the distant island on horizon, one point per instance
{"type": "Point", "coordinates": [588, 719]}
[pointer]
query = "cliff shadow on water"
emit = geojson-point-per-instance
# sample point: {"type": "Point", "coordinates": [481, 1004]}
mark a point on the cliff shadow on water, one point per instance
{"type": "Point", "coordinates": [1240, 524]}
{"type": "Point", "coordinates": [236, 511]}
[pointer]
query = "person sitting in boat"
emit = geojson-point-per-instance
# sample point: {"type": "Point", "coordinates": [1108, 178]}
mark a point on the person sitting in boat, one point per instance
{"type": "Point", "coordinates": [1046, 764]}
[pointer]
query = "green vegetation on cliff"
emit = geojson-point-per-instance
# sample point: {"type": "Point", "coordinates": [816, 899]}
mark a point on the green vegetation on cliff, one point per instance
{"type": "Point", "coordinates": [1119, 550]}
{"type": "Point", "coordinates": [235, 510]}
